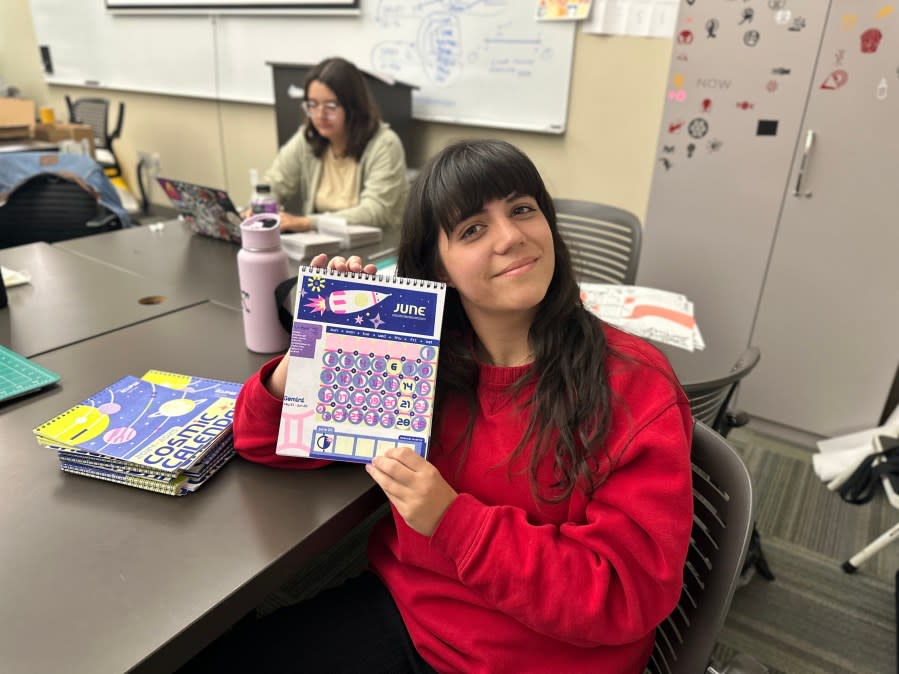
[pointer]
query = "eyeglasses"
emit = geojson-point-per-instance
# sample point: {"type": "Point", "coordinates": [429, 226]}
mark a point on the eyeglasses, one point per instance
{"type": "Point", "coordinates": [328, 109]}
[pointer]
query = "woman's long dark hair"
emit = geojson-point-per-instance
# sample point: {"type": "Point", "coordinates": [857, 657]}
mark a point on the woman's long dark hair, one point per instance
{"type": "Point", "coordinates": [362, 115]}
{"type": "Point", "coordinates": [571, 400]}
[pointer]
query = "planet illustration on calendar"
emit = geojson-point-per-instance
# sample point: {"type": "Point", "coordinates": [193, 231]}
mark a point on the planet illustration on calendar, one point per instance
{"type": "Point", "coordinates": [176, 408]}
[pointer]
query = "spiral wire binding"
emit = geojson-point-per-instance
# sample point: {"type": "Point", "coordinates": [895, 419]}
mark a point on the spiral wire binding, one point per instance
{"type": "Point", "coordinates": [379, 278]}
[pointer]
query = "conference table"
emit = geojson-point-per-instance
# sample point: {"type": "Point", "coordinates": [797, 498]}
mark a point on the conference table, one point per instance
{"type": "Point", "coordinates": [167, 251]}
{"type": "Point", "coordinates": [77, 298]}
{"type": "Point", "coordinates": [100, 578]}
{"type": "Point", "coordinates": [209, 267]}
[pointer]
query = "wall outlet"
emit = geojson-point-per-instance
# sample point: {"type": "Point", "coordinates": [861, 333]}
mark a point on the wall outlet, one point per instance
{"type": "Point", "coordinates": [151, 160]}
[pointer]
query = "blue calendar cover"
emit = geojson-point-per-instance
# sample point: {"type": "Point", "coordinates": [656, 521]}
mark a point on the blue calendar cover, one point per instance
{"type": "Point", "coordinates": [163, 422]}
{"type": "Point", "coordinates": [363, 365]}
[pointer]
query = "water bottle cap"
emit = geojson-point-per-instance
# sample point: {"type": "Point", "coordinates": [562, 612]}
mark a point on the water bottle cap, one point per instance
{"type": "Point", "coordinates": [261, 232]}
{"type": "Point", "coordinates": [263, 188]}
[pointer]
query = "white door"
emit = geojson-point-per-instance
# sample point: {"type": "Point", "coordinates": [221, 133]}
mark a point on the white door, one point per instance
{"type": "Point", "coordinates": [828, 318]}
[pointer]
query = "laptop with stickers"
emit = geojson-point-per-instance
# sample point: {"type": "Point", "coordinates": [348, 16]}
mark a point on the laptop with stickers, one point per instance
{"type": "Point", "coordinates": [209, 211]}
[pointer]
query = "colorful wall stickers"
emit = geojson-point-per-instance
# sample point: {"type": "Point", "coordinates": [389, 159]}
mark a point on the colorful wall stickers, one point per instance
{"type": "Point", "coordinates": [713, 89]}
{"type": "Point", "coordinates": [766, 127]}
{"type": "Point", "coordinates": [870, 40]}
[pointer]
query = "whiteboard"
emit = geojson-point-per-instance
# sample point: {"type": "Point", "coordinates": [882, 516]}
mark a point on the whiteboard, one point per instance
{"type": "Point", "coordinates": [90, 46]}
{"type": "Point", "coordinates": [478, 62]}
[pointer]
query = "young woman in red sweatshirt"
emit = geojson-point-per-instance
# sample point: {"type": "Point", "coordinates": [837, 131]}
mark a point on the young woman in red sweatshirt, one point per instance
{"type": "Point", "coordinates": [548, 529]}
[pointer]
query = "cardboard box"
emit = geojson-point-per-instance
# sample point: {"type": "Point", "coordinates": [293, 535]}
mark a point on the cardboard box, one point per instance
{"type": "Point", "coordinates": [65, 131]}
{"type": "Point", "coordinates": [16, 118]}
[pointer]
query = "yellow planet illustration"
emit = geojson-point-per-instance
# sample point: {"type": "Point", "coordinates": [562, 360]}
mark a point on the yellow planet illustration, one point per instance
{"type": "Point", "coordinates": [176, 408]}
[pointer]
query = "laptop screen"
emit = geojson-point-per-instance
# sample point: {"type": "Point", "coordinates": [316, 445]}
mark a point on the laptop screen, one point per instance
{"type": "Point", "coordinates": [209, 211]}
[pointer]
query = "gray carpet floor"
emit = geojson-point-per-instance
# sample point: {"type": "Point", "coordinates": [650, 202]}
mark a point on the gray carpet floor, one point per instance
{"type": "Point", "coordinates": [814, 617]}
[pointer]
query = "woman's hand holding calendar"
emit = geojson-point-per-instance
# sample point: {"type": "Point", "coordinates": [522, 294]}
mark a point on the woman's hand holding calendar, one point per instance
{"type": "Point", "coordinates": [352, 263]}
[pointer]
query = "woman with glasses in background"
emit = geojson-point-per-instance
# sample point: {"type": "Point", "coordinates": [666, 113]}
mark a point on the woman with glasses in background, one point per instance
{"type": "Point", "coordinates": [344, 160]}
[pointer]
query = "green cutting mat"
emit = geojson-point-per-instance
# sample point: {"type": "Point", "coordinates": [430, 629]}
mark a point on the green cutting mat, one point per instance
{"type": "Point", "coordinates": [19, 376]}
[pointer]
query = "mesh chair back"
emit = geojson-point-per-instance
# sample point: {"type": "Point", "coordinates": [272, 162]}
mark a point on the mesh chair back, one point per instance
{"type": "Point", "coordinates": [51, 208]}
{"type": "Point", "coordinates": [722, 524]}
{"type": "Point", "coordinates": [95, 113]}
{"type": "Point", "coordinates": [709, 400]}
{"type": "Point", "coordinates": [604, 241]}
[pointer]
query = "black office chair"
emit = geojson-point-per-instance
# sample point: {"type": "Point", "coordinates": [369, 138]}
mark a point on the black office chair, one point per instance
{"type": "Point", "coordinates": [604, 241]}
{"type": "Point", "coordinates": [722, 522]}
{"type": "Point", "coordinates": [50, 207]}
{"type": "Point", "coordinates": [95, 113]}
{"type": "Point", "coordinates": [710, 402]}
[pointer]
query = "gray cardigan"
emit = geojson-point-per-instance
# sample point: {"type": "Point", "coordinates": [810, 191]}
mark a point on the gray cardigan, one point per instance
{"type": "Point", "coordinates": [381, 182]}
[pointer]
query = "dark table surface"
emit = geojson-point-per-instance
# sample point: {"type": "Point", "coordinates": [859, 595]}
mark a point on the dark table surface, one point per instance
{"type": "Point", "coordinates": [71, 298]}
{"type": "Point", "coordinates": [97, 577]}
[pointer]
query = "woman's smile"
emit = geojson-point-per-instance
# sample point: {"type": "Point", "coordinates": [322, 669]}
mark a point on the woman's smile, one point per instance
{"type": "Point", "coordinates": [522, 266]}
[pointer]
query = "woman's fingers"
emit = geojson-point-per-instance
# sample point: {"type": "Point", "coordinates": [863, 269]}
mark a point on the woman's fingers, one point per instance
{"type": "Point", "coordinates": [337, 263]}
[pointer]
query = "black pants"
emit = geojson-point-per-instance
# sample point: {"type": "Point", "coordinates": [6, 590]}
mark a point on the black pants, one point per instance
{"type": "Point", "coordinates": [354, 627]}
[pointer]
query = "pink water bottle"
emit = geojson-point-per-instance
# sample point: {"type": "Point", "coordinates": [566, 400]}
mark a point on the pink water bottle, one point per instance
{"type": "Point", "coordinates": [261, 266]}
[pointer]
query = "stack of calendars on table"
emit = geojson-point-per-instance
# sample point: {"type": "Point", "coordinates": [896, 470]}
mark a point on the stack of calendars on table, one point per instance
{"type": "Point", "coordinates": [163, 432]}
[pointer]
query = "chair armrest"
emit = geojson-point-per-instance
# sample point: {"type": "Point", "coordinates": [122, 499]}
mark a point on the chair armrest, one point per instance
{"type": "Point", "coordinates": [105, 221]}
{"type": "Point", "coordinates": [118, 126]}
{"type": "Point", "coordinates": [71, 108]}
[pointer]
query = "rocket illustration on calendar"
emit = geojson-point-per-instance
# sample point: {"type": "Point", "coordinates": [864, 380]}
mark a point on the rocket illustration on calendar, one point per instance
{"type": "Point", "coordinates": [347, 301]}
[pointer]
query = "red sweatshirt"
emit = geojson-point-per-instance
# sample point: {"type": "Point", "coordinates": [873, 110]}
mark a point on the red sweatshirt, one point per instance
{"type": "Point", "coordinates": [510, 584]}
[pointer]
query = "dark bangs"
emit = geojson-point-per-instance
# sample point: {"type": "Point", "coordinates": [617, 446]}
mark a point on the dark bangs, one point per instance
{"type": "Point", "coordinates": [457, 183]}
{"type": "Point", "coordinates": [466, 176]}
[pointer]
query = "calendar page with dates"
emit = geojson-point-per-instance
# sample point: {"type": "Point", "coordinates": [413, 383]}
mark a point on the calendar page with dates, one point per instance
{"type": "Point", "coordinates": [363, 365]}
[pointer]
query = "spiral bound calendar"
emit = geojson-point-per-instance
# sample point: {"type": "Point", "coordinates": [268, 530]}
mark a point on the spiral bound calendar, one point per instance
{"type": "Point", "coordinates": [363, 365]}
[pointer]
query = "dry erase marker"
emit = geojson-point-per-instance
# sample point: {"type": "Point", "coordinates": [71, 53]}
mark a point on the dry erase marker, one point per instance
{"type": "Point", "coordinates": [875, 546]}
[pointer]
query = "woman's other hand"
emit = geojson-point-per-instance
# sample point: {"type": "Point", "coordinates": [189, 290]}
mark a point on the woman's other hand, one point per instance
{"type": "Point", "coordinates": [277, 381]}
{"type": "Point", "coordinates": [414, 486]}
{"type": "Point", "coordinates": [352, 263]}
{"type": "Point", "coordinates": [294, 223]}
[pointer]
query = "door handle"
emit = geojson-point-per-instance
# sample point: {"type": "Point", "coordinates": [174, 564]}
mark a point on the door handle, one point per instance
{"type": "Point", "coordinates": [803, 165]}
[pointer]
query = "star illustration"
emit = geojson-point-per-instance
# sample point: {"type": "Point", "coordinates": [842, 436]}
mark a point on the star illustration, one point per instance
{"type": "Point", "coordinates": [317, 304]}
{"type": "Point", "coordinates": [376, 321]}
{"type": "Point", "coordinates": [359, 320]}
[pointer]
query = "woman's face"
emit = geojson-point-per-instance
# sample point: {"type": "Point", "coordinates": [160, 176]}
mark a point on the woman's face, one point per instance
{"type": "Point", "coordinates": [331, 124]}
{"type": "Point", "coordinates": [500, 260]}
